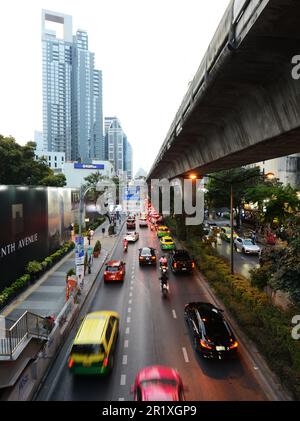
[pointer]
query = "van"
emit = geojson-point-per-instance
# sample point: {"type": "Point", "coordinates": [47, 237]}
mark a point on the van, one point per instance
{"type": "Point", "coordinates": [94, 345]}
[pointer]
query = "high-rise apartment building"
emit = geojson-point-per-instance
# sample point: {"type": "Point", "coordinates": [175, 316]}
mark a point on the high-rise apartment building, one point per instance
{"type": "Point", "coordinates": [72, 92]}
{"type": "Point", "coordinates": [117, 148]}
{"type": "Point", "coordinates": [127, 158]}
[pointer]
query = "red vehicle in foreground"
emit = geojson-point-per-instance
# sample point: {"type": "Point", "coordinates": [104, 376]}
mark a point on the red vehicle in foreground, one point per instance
{"type": "Point", "coordinates": [114, 271]}
{"type": "Point", "coordinates": [158, 383]}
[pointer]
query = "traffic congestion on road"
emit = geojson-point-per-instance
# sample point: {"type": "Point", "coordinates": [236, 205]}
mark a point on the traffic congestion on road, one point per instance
{"type": "Point", "coordinates": [131, 342]}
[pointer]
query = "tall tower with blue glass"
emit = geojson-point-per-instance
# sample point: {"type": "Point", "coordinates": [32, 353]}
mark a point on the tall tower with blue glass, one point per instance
{"type": "Point", "coordinates": [72, 91]}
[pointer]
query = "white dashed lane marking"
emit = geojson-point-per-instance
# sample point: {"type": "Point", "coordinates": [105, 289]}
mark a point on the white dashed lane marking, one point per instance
{"type": "Point", "coordinates": [130, 294]}
{"type": "Point", "coordinates": [124, 359]}
{"type": "Point", "coordinates": [174, 314]}
{"type": "Point", "coordinates": [185, 355]}
{"type": "Point", "coordinates": [127, 330]}
{"type": "Point", "coordinates": [126, 343]}
{"type": "Point", "coordinates": [130, 302]}
{"type": "Point", "coordinates": [129, 310]}
{"type": "Point", "coordinates": [128, 319]}
{"type": "Point", "coordinates": [123, 380]}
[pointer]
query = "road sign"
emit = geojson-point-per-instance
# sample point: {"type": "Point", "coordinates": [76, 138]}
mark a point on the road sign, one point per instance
{"type": "Point", "coordinates": [132, 193]}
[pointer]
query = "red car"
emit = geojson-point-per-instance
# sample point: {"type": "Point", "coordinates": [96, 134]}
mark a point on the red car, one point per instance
{"type": "Point", "coordinates": [158, 383]}
{"type": "Point", "coordinates": [114, 271]}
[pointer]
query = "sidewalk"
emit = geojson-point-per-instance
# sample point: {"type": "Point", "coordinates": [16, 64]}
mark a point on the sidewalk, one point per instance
{"type": "Point", "coordinates": [48, 295]}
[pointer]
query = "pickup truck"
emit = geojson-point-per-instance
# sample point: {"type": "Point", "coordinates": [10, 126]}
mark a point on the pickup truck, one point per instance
{"type": "Point", "coordinates": [180, 261]}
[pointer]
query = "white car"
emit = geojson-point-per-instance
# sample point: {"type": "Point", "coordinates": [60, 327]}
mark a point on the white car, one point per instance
{"type": "Point", "coordinates": [132, 236]}
{"type": "Point", "coordinates": [143, 222]}
{"type": "Point", "coordinates": [246, 245]}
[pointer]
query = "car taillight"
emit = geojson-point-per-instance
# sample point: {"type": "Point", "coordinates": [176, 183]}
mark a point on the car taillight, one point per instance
{"type": "Point", "coordinates": [153, 257]}
{"type": "Point", "coordinates": [105, 362]}
{"type": "Point", "coordinates": [105, 273]}
{"type": "Point", "coordinates": [175, 265]}
{"type": "Point", "coordinates": [71, 362]}
{"type": "Point", "coordinates": [193, 265]}
{"type": "Point", "coordinates": [204, 344]}
{"type": "Point", "coordinates": [234, 345]}
{"type": "Point", "coordinates": [141, 257]}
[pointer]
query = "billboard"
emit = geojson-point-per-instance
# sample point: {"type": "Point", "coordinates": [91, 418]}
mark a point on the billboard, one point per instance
{"type": "Point", "coordinates": [80, 166]}
{"type": "Point", "coordinates": [34, 221]}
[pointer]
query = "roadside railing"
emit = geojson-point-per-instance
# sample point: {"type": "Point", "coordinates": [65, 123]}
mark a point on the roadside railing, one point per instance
{"type": "Point", "coordinates": [27, 325]}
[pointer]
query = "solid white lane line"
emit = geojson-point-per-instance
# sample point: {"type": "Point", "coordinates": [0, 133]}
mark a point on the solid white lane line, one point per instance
{"type": "Point", "coordinates": [128, 319]}
{"type": "Point", "coordinates": [129, 310]}
{"type": "Point", "coordinates": [185, 355]}
{"type": "Point", "coordinates": [123, 380]}
{"type": "Point", "coordinates": [126, 343]}
{"type": "Point", "coordinates": [124, 360]}
{"type": "Point", "coordinates": [174, 314]}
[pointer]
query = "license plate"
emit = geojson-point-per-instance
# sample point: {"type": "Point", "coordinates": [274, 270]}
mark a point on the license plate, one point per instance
{"type": "Point", "coordinates": [220, 348]}
{"type": "Point", "coordinates": [183, 268]}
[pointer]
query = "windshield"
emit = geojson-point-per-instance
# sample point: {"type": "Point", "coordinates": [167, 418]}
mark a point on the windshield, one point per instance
{"type": "Point", "coordinates": [158, 382]}
{"type": "Point", "coordinates": [87, 349]}
{"type": "Point", "coordinates": [248, 242]}
{"type": "Point", "coordinates": [182, 256]}
{"type": "Point", "coordinates": [112, 268]}
{"type": "Point", "coordinates": [215, 328]}
{"type": "Point", "coordinates": [146, 252]}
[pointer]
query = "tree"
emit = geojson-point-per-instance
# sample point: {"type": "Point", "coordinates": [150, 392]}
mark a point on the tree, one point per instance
{"type": "Point", "coordinates": [274, 201]}
{"type": "Point", "coordinates": [55, 180]}
{"type": "Point", "coordinates": [218, 187]}
{"type": "Point", "coordinates": [18, 164]}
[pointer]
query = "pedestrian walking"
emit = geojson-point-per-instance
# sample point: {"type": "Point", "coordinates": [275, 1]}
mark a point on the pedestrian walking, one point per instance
{"type": "Point", "coordinates": [103, 232]}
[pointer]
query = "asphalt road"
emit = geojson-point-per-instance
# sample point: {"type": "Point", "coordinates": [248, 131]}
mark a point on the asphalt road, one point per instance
{"type": "Point", "coordinates": [242, 263]}
{"type": "Point", "coordinates": [152, 331]}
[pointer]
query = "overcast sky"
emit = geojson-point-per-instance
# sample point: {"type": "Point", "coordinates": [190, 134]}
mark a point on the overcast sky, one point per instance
{"type": "Point", "coordinates": [148, 51]}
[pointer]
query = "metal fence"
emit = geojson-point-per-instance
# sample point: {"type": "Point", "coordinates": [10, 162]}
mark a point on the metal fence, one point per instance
{"type": "Point", "coordinates": [27, 325]}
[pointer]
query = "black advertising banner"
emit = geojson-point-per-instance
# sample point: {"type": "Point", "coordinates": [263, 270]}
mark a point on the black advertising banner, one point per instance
{"type": "Point", "coordinates": [34, 221]}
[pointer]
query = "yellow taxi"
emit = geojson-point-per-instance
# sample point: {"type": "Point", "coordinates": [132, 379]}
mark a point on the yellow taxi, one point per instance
{"type": "Point", "coordinates": [162, 230]}
{"type": "Point", "coordinates": [94, 345]}
{"type": "Point", "coordinates": [167, 243]}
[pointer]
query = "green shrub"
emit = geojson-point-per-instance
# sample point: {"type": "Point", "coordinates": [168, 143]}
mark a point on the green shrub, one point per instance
{"type": "Point", "coordinates": [260, 276]}
{"type": "Point", "coordinates": [33, 267]}
{"type": "Point", "coordinates": [97, 246]}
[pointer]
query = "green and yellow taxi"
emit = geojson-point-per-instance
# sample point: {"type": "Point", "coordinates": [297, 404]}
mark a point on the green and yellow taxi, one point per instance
{"type": "Point", "coordinates": [162, 231]}
{"type": "Point", "coordinates": [94, 345]}
{"type": "Point", "coordinates": [167, 243]}
{"type": "Point", "coordinates": [225, 234]}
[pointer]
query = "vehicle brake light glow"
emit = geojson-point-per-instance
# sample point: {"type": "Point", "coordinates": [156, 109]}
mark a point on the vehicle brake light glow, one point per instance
{"type": "Point", "coordinates": [193, 265]}
{"type": "Point", "coordinates": [105, 362]}
{"type": "Point", "coordinates": [234, 345]}
{"type": "Point", "coordinates": [153, 257]}
{"type": "Point", "coordinates": [204, 344]}
{"type": "Point", "coordinates": [175, 265]}
{"type": "Point", "coordinates": [71, 362]}
{"type": "Point", "coordinates": [141, 257]}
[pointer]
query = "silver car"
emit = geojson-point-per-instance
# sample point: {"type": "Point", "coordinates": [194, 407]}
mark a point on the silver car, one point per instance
{"type": "Point", "coordinates": [246, 246]}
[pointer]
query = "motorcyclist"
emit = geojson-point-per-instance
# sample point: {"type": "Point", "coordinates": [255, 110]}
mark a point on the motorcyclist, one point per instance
{"type": "Point", "coordinates": [163, 261]}
{"type": "Point", "coordinates": [125, 243]}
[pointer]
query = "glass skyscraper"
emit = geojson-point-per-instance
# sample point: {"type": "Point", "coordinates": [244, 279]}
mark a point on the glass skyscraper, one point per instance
{"type": "Point", "coordinates": [117, 148]}
{"type": "Point", "coordinates": [72, 92]}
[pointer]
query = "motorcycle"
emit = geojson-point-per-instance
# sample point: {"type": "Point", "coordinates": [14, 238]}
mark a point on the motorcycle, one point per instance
{"type": "Point", "coordinates": [164, 287]}
{"type": "Point", "coordinates": [164, 267]}
{"type": "Point", "coordinates": [125, 246]}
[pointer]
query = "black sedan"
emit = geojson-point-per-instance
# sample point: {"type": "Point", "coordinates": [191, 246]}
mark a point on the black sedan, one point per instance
{"type": "Point", "coordinates": [212, 336]}
{"type": "Point", "coordinates": [147, 256]}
